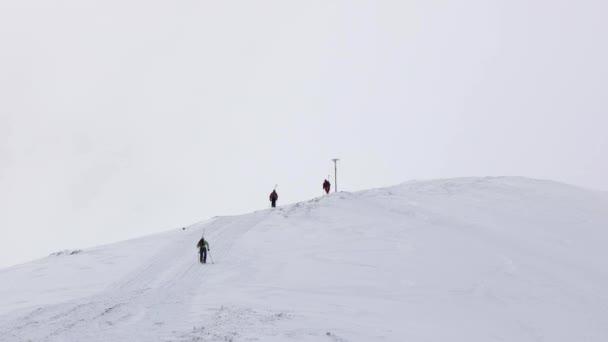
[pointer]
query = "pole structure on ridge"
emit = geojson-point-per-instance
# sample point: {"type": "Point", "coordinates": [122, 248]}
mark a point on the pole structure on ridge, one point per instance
{"type": "Point", "coordinates": [335, 174]}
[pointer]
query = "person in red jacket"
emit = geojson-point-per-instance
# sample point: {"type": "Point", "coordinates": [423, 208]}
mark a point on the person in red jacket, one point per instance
{"type": "Point", "coordinates": [273, 198]}
{"type": "Point", "coordinates": [326, 186]}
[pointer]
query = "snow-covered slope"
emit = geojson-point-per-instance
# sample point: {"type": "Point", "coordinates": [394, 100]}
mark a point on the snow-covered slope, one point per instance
{"type": "Point", "coordinates": [471, 259]}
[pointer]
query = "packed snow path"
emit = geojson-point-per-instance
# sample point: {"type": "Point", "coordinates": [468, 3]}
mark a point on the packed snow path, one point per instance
{"type": "Point", "coordinates": [474, 259]}
{"type": "Point", "coordinates": [139, 306]}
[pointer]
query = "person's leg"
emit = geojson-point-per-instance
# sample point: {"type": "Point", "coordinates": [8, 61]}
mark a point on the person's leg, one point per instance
{"type": "Point", "coordinates": [274, 204]}
{"type": "Point", "coordinates": [200, 252]}
{"type": "Point", "coordinates": [204, 256]}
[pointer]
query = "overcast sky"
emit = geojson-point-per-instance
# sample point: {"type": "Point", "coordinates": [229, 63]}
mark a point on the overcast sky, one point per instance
{"type": "Point", "coordinates": [123, 118]}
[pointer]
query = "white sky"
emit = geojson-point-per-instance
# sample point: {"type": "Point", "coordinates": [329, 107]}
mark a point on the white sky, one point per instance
{"type": "Point", "coordinates": [124, 118]}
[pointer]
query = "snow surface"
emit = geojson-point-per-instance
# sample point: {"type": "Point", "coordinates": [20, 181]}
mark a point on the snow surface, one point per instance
{"type": "Point", "coordinates": [470, 259]}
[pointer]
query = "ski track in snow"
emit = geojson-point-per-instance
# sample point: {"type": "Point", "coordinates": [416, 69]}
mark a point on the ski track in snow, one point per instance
{"type": "Point", "coordinates": [151, 302]}
{"type": "Point", "coordinates": [486, 259]}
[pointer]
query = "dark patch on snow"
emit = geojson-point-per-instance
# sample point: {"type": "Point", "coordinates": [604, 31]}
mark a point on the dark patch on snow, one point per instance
{"type": "Point", "coordinates": [335, 338]}
{"type": "Point", "coordinates": [67, 252]}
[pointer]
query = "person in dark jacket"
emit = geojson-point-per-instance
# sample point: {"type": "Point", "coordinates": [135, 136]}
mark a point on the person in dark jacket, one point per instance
{"type": "Point", "coordinates": [203, 246]}
{"type": "Point", "coordinates": [273, 198]}
{"type": "Point", "coordinates": [326, 186]}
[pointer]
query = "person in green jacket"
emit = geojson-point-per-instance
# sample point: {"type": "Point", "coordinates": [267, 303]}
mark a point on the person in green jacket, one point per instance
{"type": "Point", "coordinates": [203, 246]}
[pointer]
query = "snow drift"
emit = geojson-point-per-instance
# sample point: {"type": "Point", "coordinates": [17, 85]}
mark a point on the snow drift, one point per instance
{"type": "Point", "coordinates": [471, 259]}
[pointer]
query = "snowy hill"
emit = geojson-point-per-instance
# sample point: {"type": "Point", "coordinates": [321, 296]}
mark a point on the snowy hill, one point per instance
{"type": "Point", "coordinates": [471, 259]}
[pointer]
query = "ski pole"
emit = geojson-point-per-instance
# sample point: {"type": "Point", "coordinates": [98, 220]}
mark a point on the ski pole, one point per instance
{"type": "Point", "coordinates": [210, 257]}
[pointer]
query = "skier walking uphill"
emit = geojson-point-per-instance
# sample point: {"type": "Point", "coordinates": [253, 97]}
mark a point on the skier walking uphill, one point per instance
{"type": "Point", "coordinates": [326, 186]}
{"type": "Point", "coordinates": [273, 198]}
{"type": "Point", "coordinates": [203, 246]}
